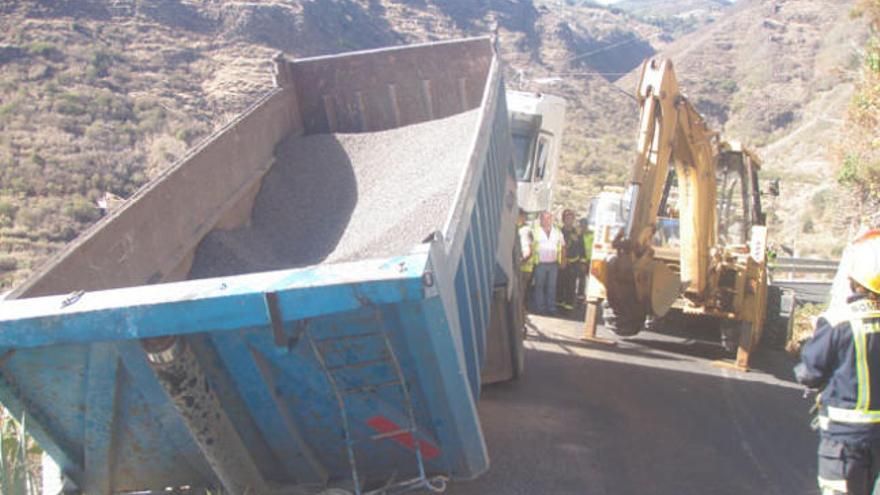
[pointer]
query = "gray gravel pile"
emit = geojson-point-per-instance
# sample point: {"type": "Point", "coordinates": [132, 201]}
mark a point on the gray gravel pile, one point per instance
{"type": "Point", "coordinates": [342, 197]}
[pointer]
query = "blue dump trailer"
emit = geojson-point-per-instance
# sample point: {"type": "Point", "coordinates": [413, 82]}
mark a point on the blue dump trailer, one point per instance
{"type": "Point", "coordinates": [289, 366]}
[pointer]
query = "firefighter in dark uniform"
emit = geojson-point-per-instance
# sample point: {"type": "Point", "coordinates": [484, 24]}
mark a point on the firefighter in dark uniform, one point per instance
{"type": "Point", "coordinates": [843, 360]}
{"type": "Point", "coordinates": [574, 251]}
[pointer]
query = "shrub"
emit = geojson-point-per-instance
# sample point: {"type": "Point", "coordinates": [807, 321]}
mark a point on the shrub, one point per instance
{"type": "Point", "coordinates": [8, 210]}
{"type": "Point", "coordinates": [41, 49]}
{"type": "Point", "coordinates": [81, 210]}
{"type": "Point", "coordinates": [9, 108]}
{"type": "Point", "coordinates": [802, 327]}
{"type": "Point", "coordinates": [70, 104]}
{"type": "Point", "coordinates": [18, 454]}
{"type": "Point", "coordinates": [8, 264]}
{"type": "Point", "coordinates": [112, 107]}
{"type": "Point", "coordinates": [100, 63]}
{"type": "Point", "coordinates": [32, 217]}
{"type": "Point", "coordinates": [808, 226]}
{"type": "Point", "coordinates": [848, 173]}
{"type": "Point", "coordinates": [189, 134]}
{"type": "Point", "coordinates": [36, 159]}
{"type": "Point", "coordinates": [728, 86]}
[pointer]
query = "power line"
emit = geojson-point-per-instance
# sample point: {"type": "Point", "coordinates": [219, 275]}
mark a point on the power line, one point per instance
{"type": "Point", "coordinates": [608, 47]}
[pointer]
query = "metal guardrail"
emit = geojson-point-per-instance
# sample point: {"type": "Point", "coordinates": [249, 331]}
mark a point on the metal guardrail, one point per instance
{"type": "Point", "coordinates": [811, 291]}
{"type": "Point", "coordinates": [806, 261]}
{"type": "Point", "coordinates": [816, 291]}
{"type": "Point", "coordinates": [804, 265]}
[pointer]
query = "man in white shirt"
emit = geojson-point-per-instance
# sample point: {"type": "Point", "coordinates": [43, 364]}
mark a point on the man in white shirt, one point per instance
{"type": "Point", "coordinates": [549, 246]}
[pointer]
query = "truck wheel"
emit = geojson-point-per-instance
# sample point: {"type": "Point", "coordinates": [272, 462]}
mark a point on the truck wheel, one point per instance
{"type": "Point", "coordinates": [670, 324]}
{"type": "Point", "coordinates": [625, 324]}
{"type": "Point", "coordinates": [776, 324]}
{"type": "Point", "coordinates": [517, 338]}
{"type": "Point", "coordinates": [730, 335]}
{"type": "Point", "coordinates": [505, 352]}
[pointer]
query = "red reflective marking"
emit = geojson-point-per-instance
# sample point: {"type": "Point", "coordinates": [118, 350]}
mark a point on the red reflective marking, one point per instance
{"type": "Point", "coordinates": [384, 425]}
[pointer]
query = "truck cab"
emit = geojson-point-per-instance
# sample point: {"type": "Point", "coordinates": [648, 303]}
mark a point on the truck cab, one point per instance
{"type": "Point", "coordinates": [537, 123]}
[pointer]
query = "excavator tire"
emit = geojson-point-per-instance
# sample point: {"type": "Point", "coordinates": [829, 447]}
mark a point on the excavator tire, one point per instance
{"type": "Point", "coordinates": [777, 326]}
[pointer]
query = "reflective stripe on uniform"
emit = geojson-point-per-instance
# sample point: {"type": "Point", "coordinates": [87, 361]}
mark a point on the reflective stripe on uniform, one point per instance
{"type": "Point", "coordinates": [842, 415]}
{"type": "Point", "coordinates": [837, 486]}
{"type": "Point", "coordinates": [862, 371]}
{"type": "Point", "coordinates": [860, 331]}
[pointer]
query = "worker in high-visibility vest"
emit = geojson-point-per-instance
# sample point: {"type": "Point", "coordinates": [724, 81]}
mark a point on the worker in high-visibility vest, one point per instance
{"type": "Point", "coordinates": [549, 247]}
{"type": "Point", "coordinates": [574, 251]}
{"type": "Point", "coordinates": [584, 263]}
{"type": "Point", "coordinates": [843, 359]}
{"type": "Point", "coordinates": [529, 256]}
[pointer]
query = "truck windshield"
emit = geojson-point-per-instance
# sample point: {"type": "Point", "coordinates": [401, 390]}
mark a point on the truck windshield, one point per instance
{"type": "Point", "coordinates": [606, 211]}
{"type": "Point", "coordinates": [522, 145]}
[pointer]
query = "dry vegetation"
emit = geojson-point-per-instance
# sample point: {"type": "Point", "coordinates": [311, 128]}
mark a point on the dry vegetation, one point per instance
{"type": "Point", "coordinates": [100, 96]}
{"type": "Point", "coordinates": [859, 160]}
{"type": "Point", "coordinates": [85, 108]}
{"type": "Point", "coordinates": [779, 75]}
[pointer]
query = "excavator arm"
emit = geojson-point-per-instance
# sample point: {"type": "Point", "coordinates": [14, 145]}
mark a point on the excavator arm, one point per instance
{"type": "Point", "coordinates": [672, 136]}
{"type": "Point", "coordinates": [701, 274]}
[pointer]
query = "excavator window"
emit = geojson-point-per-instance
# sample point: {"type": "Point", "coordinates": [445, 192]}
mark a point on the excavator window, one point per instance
{"type": "Point", "coordinates": [666, 232]}
{"type": "Point", "coordinates": [732, 201]}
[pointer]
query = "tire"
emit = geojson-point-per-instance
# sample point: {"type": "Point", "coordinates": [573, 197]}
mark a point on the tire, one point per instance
{"type": "Point", "coordinates": [669, 324]}
{"type": "Point", "coordinates": [517, 338]}
{"type": "Point", "coordinates": [730, 336]}
{"type": "Point", "coordinates": [776, 325]}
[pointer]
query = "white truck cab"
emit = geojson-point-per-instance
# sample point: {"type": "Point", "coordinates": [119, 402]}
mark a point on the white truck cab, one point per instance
{"type": "Point", "coordinates": [537, 123]}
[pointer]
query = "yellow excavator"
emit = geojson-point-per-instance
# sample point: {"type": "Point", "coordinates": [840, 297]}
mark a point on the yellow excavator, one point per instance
{"type": "Point", "coordinates": [694, 244]}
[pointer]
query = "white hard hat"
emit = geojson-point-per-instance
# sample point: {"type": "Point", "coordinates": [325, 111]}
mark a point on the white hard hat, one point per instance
{"type": "Point", "coordinates": [865, 263]}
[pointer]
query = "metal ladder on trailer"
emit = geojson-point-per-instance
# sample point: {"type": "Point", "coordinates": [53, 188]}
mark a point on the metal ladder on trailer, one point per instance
{"type": "Point", "coordinates": [436, 484]}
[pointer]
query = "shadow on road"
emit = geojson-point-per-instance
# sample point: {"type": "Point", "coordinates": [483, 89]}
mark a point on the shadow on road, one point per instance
{"type": "Point", "coordinates": [577, 425]}
{"type": "Point", "coordinates": [564, 342]}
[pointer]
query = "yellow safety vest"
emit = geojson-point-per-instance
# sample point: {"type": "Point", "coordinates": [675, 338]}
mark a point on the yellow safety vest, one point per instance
{"type": "Point", "coordinates": [528, 264]}
{"type": "Point", "coordinates": [588, 246]}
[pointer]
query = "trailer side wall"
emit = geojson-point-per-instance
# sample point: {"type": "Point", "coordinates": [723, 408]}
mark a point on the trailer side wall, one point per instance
{"type": "Point", "coordinates": [151, 238]}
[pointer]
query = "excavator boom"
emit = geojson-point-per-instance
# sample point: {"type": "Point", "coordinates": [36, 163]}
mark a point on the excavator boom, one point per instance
{"type": "Point", "coordinates": [673, 135]}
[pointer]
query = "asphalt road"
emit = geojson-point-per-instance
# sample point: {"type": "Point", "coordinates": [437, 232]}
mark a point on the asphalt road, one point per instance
{"type": "Point", "coordinates": [653, 415]}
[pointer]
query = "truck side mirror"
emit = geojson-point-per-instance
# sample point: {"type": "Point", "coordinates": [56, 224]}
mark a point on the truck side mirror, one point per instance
{"type": "Point", "coordinates": [774, 187]}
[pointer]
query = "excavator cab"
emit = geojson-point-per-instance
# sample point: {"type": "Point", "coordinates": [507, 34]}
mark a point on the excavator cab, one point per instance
{"type": "Point", "coordinates": [738, 194]}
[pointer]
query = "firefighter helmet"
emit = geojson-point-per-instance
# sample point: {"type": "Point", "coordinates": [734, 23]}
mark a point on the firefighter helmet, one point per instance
{"type": "Point", "coordinates": [865, 264]}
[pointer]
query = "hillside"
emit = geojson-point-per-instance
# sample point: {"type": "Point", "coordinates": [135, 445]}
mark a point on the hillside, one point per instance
{"type": "Point", "coordinates": [100, 96]}
{"type": "Point", "coordinates": [779, 75]}
{"type": "Point", "coordinates": [680, 8]}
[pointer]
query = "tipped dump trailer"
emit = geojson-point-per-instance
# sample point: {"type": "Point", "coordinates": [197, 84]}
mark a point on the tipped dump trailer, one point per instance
{"type": "Point", "coordinates": [301, 303]}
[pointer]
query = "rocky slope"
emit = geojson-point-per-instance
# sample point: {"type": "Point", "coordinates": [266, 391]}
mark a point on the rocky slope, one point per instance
{"type": "Point", "coordinates": [99, 96]}
{"type": "Point", "coordinates": [780, 76]}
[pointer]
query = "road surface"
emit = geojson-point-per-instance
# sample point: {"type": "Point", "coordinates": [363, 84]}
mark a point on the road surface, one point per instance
{"type": "Point", "coordinates": [652, 416]}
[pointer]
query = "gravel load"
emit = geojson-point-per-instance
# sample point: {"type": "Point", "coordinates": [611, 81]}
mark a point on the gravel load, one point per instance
{"type": "Point", "coordinates": [341, 197]}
